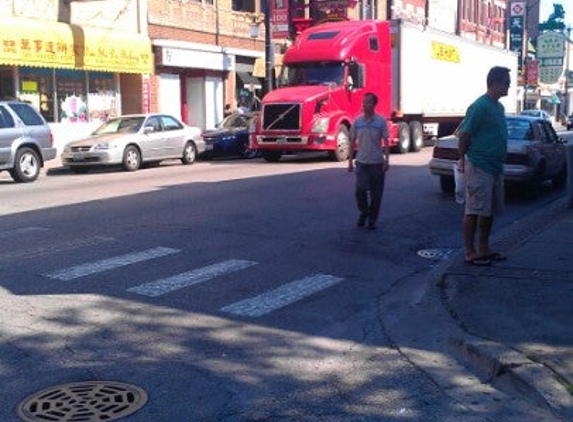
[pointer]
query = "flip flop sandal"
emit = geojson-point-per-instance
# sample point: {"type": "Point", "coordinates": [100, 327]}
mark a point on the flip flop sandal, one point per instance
{"type": "Point", "coordinates": [482, 261]}
{"type": "Point", "coordinates": [496, 257]}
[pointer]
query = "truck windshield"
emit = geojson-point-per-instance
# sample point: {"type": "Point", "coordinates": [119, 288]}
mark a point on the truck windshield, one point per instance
{"type": "Point", "coordinates": [312, 74]}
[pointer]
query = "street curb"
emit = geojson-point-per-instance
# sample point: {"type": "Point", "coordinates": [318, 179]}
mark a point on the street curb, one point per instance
{"type": "Point", "coordinates": [418, 322]}
{"type": "Point", "coordinates": [506, 368]}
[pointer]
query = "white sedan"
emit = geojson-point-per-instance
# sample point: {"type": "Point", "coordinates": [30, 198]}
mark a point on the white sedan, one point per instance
{"type": "Point", "coordinates": [132, 140]}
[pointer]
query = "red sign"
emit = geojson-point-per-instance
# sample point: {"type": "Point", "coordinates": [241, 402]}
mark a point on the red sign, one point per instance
{"type": "Point", "coordinates": [532, 72]}
{"type": "Point", "coordinates": [279, 18]}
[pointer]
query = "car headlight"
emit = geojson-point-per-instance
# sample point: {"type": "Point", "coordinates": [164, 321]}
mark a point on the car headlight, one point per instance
{"type": "Point", "coordinates": [103, 147]}
{"type": "Point", "coordinates": [320, 125]}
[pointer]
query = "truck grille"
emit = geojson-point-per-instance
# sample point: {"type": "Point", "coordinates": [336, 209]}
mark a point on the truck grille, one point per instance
{"type": "Point", "coordinates": [281, 117]}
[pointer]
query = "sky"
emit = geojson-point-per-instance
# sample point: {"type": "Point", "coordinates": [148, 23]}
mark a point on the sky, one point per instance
{"type": "Point", "coordinates": [546, 8]}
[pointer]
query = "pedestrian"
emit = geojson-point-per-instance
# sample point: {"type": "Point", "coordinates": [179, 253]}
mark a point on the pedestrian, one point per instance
{"type": "Point", "coordinates": [369, 135]}
{"type": "Point", "coordinates": [483, 148]}
{"type": "Point", "coordinates": [228, 111]}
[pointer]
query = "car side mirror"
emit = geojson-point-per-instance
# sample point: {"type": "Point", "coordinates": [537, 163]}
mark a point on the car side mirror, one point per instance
{"type": "Point", "coordinates": [148, 129]}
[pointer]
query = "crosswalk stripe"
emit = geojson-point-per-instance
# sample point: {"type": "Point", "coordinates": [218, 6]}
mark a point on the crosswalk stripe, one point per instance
{"type": "Point", "coordinates": [281, 296]}
{"type": "Point", "coordinates": [189, 278]}
{"type": "Point", "coordinates": [110, 263]}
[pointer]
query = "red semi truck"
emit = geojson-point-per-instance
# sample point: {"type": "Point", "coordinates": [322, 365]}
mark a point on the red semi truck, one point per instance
{"type": "Point", "coordinates": [424, 80]}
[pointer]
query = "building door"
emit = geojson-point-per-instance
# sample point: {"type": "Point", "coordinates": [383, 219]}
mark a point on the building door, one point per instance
{"type": "Point", "coordinates": [214, 101]}
{"type": "Point", "coordinates": [170, 94]}
{"type": "Point", "coordinates": [195, 88]}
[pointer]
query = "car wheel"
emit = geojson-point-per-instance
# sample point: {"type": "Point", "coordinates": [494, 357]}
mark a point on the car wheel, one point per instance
{"type": "Point", "coordinates": [416, 136]}
{"type": "Point", "coordinates": [447, 184]}
{"type": "Point", "coordinates": [403, 138]}
{"type": "Point", "coordinates": [189, 153]}
{"type": "Point", "coordinates": [131, 158]}
{"type": "Point", "coordinates": [272, 156]}
{"type": "Point", "coordinates": [560, 180]}
{"type": "Point", "coordinates": [532, 189]}
{"type": "Point", "coordinates": [26, 165]}
{"type": "Point", "coordinates": [342, 150]}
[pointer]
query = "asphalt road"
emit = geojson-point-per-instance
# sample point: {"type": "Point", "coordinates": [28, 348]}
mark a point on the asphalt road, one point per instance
{"type": "Point", "coordinates": [228, 290]}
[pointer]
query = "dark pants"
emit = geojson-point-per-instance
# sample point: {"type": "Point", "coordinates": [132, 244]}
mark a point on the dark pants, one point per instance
{"type": "Point", "coordinates": [369, 177]}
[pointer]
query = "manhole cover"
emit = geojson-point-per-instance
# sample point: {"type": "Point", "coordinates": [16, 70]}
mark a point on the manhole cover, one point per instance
{"type": "Point", "coordinates": [434, 253]}
{"type": "Point", "coordinates": [83, 402]}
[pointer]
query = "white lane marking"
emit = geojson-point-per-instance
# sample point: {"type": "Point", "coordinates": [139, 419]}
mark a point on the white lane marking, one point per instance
{"type": "Point", "coordinates": [110, 263]}
{"type": "Point", "coordinates": [189, 278]}
{"type": "Point", "coordinates": [282, 296]}
{"type": "Point", "coordinates": [21, 231]}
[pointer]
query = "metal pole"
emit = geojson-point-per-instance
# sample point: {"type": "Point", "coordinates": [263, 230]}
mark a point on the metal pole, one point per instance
{"type": "Point", "coordinates": [268, 51]}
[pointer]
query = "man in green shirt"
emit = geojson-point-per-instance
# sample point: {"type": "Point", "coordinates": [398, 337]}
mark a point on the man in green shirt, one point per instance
{"type": "Point", "coordinates": [483, 148]}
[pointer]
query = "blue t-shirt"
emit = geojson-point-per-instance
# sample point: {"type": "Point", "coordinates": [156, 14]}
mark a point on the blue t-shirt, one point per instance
{"type": "Point", "coordinates": [369, 134]}
{"type": "Point", "coordinates": [486, 125]}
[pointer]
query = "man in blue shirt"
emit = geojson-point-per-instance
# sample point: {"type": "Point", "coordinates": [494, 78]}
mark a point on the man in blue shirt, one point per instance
{"type": "Point", "coordinates": [483, 148]}
{"type": "Point", "coordinates": [372, 160]}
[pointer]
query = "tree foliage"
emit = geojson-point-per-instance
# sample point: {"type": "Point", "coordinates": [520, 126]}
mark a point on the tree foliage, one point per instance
{"type": "Point", "coordinates": [555, 21]}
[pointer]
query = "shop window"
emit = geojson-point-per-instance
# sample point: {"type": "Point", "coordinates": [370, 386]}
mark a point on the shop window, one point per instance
{"type": "Point", "coordinates": [102, 100]}
{"type": "Point", "coordinates": [71, 92]}
{"type": "Point", "coordinates": [7, 90]}
{"type": "Point", "coordinates": [36, 88]}
{"type": "Point", "coordinates": [243, 6]}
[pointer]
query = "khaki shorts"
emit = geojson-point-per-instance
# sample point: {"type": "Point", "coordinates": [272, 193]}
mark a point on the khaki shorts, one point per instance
{"type": "Point", "coordinates": [484, 192]}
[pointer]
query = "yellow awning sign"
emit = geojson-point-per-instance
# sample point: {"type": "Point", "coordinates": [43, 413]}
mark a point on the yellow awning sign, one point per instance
{"type": "Point", "coordinates": [29, 42]}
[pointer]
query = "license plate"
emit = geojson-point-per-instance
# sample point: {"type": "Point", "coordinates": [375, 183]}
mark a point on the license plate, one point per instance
{"type": "Point", "coordinates": [77, 158]}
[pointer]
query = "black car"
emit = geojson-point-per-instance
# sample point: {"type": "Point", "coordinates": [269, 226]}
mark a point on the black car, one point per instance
{"type": "Point", "coordinates": [570, 122]}
{"type": "Point", "coordinates": [231, 138]}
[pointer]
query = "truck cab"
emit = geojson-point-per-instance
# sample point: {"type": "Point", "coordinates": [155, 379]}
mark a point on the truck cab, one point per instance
{"type": "Point", "coordinates": [325, 75]}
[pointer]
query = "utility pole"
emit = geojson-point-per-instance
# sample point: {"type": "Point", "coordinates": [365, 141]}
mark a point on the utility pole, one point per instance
{"type": "Point", "coordinates": [268, 50]}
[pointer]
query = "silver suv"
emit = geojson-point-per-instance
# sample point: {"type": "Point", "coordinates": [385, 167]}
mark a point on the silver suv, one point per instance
{"type": "Point", "coordinates": [25, 141]}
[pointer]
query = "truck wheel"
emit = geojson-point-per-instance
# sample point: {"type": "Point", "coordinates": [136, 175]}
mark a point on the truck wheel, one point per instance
{"type": "Point", "coordinates": [342, 150]}
{"type": "Point", "coordinates": [272, 156]}
{"type": "Point", "coordinates": [26, 165]}
{"type": "Point", "coordinates": [403, 138]}
{"type": "Point", "coordinates": [416, 136]}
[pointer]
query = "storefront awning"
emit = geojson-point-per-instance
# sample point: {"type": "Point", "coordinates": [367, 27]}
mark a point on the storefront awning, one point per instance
{"type": "Point", "coordinates": [259, 67]}
{"type": "Point", "coordinates": [249, 80]}
{"type": "Point", "coordinates": [31, 42]}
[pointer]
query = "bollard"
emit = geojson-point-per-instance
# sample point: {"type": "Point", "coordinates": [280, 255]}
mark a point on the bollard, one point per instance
{"type": "Point", "coordinates": [569, 151]}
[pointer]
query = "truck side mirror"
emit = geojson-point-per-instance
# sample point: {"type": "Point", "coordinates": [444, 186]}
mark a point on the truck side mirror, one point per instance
{"type": "Point", "coordinates": [355, 76]}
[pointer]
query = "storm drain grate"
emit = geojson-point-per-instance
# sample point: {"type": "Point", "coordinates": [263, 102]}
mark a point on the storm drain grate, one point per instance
{"type": "Point", "coordinates": [88, 401]}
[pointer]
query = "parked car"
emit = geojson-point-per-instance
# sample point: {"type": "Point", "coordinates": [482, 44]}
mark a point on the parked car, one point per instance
{"type": "Point", "coordinates": [26, 141]}
{"type": "Point", "coordinates": [540, 114]}
{"type": "Point", "coordinates": [231, 138]}
{"type": "Point", "coordinates": [569, 123]}
{"type": "Point", "coordinates": [132, 140]}
{"type": "Point", "coordinates": [535, 154]}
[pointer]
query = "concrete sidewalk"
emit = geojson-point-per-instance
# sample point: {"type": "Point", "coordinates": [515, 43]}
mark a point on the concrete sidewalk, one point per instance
{"type": "Point", "coordinates": [498, 339]}
{"type": "Point", "coordinates": [524, 303]}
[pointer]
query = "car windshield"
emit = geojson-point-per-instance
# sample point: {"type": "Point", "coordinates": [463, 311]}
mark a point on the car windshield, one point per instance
{"type": "Point", "coordinates": [236, 121]}
{"type": "Point", "coordinates": [519, 129]}
{"type": "Point", "coordinates": [120, 125]}
{"type": "Point", "coordinates": [312, 74]}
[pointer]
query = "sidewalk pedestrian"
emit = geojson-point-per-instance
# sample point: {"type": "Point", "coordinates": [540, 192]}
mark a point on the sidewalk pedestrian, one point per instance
{"type": "Point", "coordinates": [370, 133]}
{"type": "Point", "coordinates": [483, 148]}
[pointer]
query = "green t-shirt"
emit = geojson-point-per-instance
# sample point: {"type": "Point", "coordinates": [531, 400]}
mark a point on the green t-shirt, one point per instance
{"type": "Point", "coordinates": [485, 123]}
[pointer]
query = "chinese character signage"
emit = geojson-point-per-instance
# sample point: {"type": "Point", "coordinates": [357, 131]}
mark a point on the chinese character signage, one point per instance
{"type": "Point", "coordinates": [550, 51]}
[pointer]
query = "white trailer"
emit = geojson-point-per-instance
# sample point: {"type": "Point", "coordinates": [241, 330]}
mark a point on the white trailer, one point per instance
{"type": "Point", "coordinates": [437, 75]}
